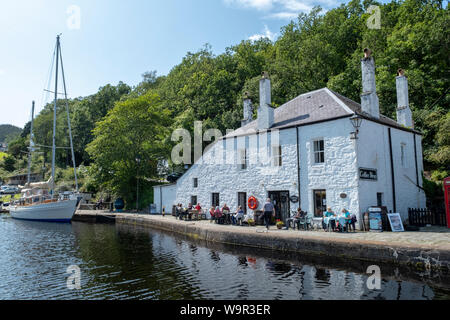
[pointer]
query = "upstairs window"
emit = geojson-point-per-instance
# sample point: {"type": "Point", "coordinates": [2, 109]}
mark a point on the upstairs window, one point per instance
{"type": "Point", "coordinates": [319, 151]}
{"type": "Point", "coordinates": [403, 155]}
{"type": "Point", "coordinates": [243, 159]}
{"type": "Point", "coordinates": [276, 156]}
{"type": "Point", "coordinates": [195, 182]}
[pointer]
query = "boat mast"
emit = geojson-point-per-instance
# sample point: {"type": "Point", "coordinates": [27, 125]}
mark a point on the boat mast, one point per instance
{"type": "Point", "coordinates": [31, 144]}
{"type": "Point", "coordinates": [68, 121]}
{"type": "Point", "coordinates": [54, 120]}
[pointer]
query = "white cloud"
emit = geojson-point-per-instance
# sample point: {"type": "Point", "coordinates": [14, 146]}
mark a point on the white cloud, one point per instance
{"type": "Point", "coordinates": [283, 15]}
{"type": "Point", "coordinates": [281, 9]}
{"type": "Point", "coordinates": [267, 34]}
{"type": "Point", "coordinates": [255, 4]}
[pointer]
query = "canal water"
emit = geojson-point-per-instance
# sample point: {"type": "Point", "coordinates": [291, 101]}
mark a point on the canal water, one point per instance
{"type": "Point", "coordinates": [128, 262]}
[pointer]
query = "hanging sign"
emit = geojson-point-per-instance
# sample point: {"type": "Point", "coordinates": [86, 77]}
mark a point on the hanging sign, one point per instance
{"type": "Point", "coordinates": [294, 199]}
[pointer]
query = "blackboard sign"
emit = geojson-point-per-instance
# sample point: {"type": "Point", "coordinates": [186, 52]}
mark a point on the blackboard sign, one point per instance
{"type": "Point", "coordinates": [368, 174]}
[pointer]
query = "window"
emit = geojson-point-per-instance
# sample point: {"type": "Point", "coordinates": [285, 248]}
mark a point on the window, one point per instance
{"type": "Point", "coordinates": [320, 202]}
{"type": "Point", "coordinates": [379, 199]}
{"type": "Point", "coordinates": [194, 200]}
{"type": "Point", "coordinates": [319, 151]}
{"type": "Point", "coordinates": [215, 200]}
{"type": "Point", "coordinates": [243, 159]}
{"type": "Point", "coordinates": [242, 201]}
{"type": "Point", "coordinates": [195, 182]}
{"type": "Point", "coordinates": [276, 156]}
{"type": "Point", "coordinates": [403, 155]}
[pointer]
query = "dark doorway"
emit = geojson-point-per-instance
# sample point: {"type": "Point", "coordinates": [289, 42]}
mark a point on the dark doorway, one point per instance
{"type": "Point", "coordinates": [194, 200]}
{"type": "Point", "coordinates": [242, 201]}
{"type": "Point", "coordinates": [320, 202]}
{"type": "Point", "coordinates": [280, 200]}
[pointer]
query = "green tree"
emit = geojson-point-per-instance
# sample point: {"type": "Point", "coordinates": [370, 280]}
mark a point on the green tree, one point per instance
{"type": "Point", "coordinates": [9, 163]}
{"type": "Point", "coordinates": [129, 142]}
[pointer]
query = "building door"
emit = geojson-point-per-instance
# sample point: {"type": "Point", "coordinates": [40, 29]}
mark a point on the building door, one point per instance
{"type": "Point", "coordinates": [242, 201]}
{"type": "Point", "coordinates": [280, 200]}
{"type": "Point", "coordinates": [320, 202]}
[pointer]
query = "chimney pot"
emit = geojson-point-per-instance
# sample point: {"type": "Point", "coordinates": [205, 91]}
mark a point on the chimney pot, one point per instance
{"type": "Point", "coordinates": [265, 111]}
{"type": "Point", "coordinates": [404, 114]}
{"type": "Point", "coordinates": [369, 97]}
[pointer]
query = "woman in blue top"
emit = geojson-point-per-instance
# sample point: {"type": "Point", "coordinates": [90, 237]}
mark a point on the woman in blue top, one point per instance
{"type": "Point", "coordinates": [346, 215]}
{"type": "Point", "coordinates": [331, 222]}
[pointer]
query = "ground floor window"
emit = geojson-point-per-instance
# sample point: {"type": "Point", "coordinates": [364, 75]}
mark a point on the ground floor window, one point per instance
{"type": "Point", "coordinates": [194, 200]}
{"type": "Point", "coordinates": [320, 202]}
{"type": "Point", "coordinates": [242, 201]}
{"type": "Point", "coordinates": [215, 200]}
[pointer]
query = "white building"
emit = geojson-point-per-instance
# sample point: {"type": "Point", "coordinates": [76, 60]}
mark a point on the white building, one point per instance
{"type": "Point", "coordinates": [314, 154]}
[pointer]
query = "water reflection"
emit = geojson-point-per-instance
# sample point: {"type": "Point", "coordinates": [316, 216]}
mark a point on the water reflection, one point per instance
{"type": "Point", "coordinates": [126, 262]}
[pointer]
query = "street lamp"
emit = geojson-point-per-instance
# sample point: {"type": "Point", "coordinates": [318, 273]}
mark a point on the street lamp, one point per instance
{"type": "Point", "coordinates": [138, 161]}
{"type": "Point", "coordinates": [356, 122]}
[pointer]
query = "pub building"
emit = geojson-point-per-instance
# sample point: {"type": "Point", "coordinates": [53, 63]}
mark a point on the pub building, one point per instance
{"type": "Point", "coordinates": [318, 150]}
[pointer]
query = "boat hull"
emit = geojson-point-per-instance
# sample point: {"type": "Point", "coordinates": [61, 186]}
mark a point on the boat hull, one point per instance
{"type": "Point", "coordinates": [61, 211]}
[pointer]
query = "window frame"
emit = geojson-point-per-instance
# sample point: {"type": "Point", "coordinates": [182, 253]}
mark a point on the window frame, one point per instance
{"type": "Point", "coordinates": [319, 152]}
{"type": "Point", "coordinates": [403, 157]}
{"type": "Point", "coordinates": [213, 204]}
{"type": "Point", "coordinates": [243, 159]}
{"type": "Point", "coordinates": [277, 156]}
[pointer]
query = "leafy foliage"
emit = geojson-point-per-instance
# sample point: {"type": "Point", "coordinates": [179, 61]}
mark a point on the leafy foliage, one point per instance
{"type": "Point", "coordinates": [128, 143]}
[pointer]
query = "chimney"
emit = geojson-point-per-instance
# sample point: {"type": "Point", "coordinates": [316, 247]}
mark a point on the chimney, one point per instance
{"type": "Point", "coordinates": [404, 114]}
{"type": "Point", "coordinates": [369, 98]}
{"type": "Point", "coordinates": [248, 110]}
{"type": "Point", "coordinates": [265, 111]}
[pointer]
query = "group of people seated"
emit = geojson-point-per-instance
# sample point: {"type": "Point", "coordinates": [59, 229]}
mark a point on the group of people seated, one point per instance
{"type": "Point", "coordinates": [224, 216]}
{"type": "Point", "coordinates": [341, 222]}
{"type": "Point", "coordinates": [183, 213]}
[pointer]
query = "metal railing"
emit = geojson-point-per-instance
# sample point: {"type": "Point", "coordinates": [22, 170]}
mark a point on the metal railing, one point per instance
{"type": "Point", "coordinates": [421, 217]}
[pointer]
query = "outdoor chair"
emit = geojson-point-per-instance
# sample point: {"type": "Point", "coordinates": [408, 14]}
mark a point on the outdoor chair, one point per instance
{"type": "Point", "coordinates": [195, 214]}
{"type": "Point", "coordinates": [343, 224]}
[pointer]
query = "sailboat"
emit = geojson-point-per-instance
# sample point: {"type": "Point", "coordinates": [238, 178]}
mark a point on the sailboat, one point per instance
{"type": "Point", "coordinates": [39, 201]}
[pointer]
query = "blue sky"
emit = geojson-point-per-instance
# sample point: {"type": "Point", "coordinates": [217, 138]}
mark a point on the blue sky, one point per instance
{"type": "Point", "coordinates": [107, 41]}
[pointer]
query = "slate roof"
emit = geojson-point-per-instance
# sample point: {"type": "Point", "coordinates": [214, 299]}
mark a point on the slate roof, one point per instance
{"type": "Point", "coordinates": [315, 106]}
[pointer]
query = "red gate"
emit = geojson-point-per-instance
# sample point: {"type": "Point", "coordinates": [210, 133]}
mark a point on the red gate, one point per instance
{"type": "Point", "coordinates": [447, 199]}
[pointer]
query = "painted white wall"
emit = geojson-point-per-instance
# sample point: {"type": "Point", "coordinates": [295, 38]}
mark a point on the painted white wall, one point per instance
{"type": "Point", "coordinates": [166, 193]}
{"type": "Point", "coordinates": [337, 174]}
{"type": "Point", "coordinates": [228, 178]}
{"type": "Point", "coordinates": [373, 152]}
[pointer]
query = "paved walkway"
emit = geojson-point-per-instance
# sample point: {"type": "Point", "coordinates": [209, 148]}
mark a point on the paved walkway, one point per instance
{"type": "Point", "coordinates": [427, 238]}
